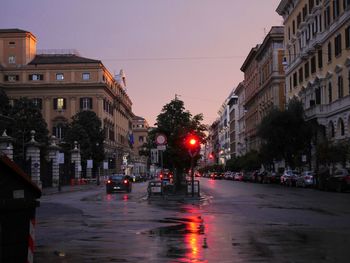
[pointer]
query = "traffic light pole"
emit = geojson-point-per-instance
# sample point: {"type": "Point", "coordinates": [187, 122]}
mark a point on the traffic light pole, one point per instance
{"type": "Point", "coordinates": [192, 176]}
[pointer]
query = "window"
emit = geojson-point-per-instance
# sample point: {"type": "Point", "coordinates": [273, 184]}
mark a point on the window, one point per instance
{"type": "Point", "coordinates": [306, 70]}
{"type": "Point", "coordinates": [290, 83]}
{"type": "Point", "coordinates": [311, 5]}
{"type": "Point", "coordinates": [293, 27]}
{"type": "Point", "coordinates": [340, 87]}
{"type": "Point", "coordinates": [347, 37]}
{"type": "Point", "coordinates": [11, 78]}
{"type": "Point", "coordinates": [331, 128]}
{"type": "Point", "coordinates": [86, 76]}
{"type": "Point", "coordinates": [329, 92]}
{"type": "Point", "coordinates": [301, 75]}
{"type": "Point", "coordinates": [336, 10]}
{"type": "Point", "coordinates": [319, 58]}
{"type": "Point", "coordinates": [37, 102]}
{"type": "Point", "coordinates": [342, 129]}
{"type": "Point", "coordinates": [59, 104]}
{"type": "Point", "coordinates": [346, 4]}
{"type": "Point", "coordinates": [327, 16]}
{"type": "Point", "coordinates": [141, 139]}
{"type": "Point", "coordinates": [329, 52]}
{"type": "Point", "coordinates": [304, 12]}
{"type": "Point", "coordinates": [36, 77]}
{"type": "Point", "coordinates": [337, 45]}
{"type": "Point", "coordinates": [58, 130]}
{"type": "Point", "coordinates": [295, 79]}
{"type": "Point", "coordinates": [12, 44]}
{"type": "Point", "coordinates": [299, 19]}
{"type": "Point", "coordinates": [318, 95]}
{"type": "Point", "coordinates": [313, 64]}
{"type": "Point", "coordinates": [59, 76]}
{"type": "Point", "coordinates": [12, 59]}
{"type": "Point", "coordinates": [85, 103]}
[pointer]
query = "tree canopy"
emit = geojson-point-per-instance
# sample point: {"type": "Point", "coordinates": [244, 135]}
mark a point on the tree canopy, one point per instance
{"type": "Point", "coordinates": [27, 117]}
{"type": "Point", "coordinates": [86, 129]}
{"type": "Point", "coordinates": [176, 123]}
{"type": "Point", "coordinates": [285, 134]}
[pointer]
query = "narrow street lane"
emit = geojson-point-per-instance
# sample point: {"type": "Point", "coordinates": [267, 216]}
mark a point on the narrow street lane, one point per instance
{"type": "Point", "coordinates": [234, 222]}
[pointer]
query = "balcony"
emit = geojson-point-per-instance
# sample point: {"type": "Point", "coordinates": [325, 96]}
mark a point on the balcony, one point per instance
{"type": "Point", "coordinates": [326, 110]}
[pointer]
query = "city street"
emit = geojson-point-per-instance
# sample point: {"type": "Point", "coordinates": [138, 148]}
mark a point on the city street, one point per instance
{"type": "Point", "coordinates": [233, 222]}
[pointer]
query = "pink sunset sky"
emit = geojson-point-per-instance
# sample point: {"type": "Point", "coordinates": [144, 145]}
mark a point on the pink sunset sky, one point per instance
{"type": "Point", "coordinates": [192, 48]}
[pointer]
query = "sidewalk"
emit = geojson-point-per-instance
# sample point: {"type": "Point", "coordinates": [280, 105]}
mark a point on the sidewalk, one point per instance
{"type": "Point", "coordinates": [69, 188]}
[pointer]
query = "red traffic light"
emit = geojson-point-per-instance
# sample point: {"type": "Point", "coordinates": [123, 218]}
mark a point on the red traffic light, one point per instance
{"type": "Point", "coordinates": [192, 141]}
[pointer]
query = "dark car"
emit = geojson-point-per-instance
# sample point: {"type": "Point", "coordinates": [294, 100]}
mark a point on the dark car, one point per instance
{"type": "Point", "coordinates": [118, 182]}
{"type": "Point", "coordinates": [339, 181]}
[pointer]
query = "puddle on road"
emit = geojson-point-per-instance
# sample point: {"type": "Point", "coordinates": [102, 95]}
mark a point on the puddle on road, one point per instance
{"type": "Point", "coordinates": [183, 240]}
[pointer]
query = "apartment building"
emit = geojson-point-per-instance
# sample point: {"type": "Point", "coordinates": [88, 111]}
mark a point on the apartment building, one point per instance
{"type": "Point", "coordinates": [251, 86]}
{"type": "Point", "coordinates": [317, 59]}
{"type": "Point", "coordinates": [64, 83]}
{"type": "Point", "coordinates": [240, 120]}
{"type": "Point", "coordinates": [263, 83]}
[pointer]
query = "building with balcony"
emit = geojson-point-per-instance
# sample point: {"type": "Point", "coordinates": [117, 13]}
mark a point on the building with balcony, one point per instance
{"type": "Point", "coordinates": [240, 120]}
{"type": "Point", "coordinates": [63, 83]}
{"type": "Point", "coordinates": [317, 59]}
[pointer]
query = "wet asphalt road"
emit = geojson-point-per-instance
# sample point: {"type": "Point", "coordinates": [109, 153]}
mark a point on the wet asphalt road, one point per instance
{"type": "Point", "coordinates": [234, 222]}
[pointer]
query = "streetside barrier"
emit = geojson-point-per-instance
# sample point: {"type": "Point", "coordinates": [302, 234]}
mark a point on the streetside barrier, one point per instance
{"type": "Point", "coordinates": [196, 187]}
{"type": "Point", "coordinates": [155, 188]}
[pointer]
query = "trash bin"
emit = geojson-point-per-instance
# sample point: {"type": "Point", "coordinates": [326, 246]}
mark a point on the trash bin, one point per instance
{"type": "Point", "coordinates": [18, 201]}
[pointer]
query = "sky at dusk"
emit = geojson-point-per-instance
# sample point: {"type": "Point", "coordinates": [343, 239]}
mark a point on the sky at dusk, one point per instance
{"type": "Point", "coordinates": [192, 48]}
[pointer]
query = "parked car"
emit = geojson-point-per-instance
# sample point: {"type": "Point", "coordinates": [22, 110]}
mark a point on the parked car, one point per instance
{"type": "Point", "coordinates": [339, 181]}
{"type": "Point", "coordinates": [289, 177]}
{"type": "Point", "coordinates": [238, 176]}
{"type": "Point", "coordinates": [216, 176]}
{"type": "Point", "coordinates": [118, 182]}
{"type": "Point", "coordinates": [272, 178]}
{"type": "Point", "coordinates": [306, 179]}
{"type": "Point", "coordinates": [228, 175]}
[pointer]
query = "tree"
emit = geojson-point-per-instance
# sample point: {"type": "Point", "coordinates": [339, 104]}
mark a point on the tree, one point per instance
{"type": "Point", "coordinates": [86, 129]}
{"type": "Point", "coordinates": [5, 120]}
{"type": "Point", "coordinates": [27, 117]}
{"type": "Point", "coordinates": [176, 123]}
{"type": "Point", "coordinates": [285, 134]}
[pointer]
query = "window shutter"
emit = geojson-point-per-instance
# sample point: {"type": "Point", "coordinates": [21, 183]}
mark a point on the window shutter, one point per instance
{"type": "Point", "coordinates": [64, 104]}
{"type": "Point", "coordinates": [17, 77]}
{"type": "Point", "coordinates": [6, 78]}
{"type": "Point", "coordinates": [55, 104]}
{"type": "Point", "coordinates": [54, 131]}
{"type": "Point", "coordinates": [30, 77]}
{"type": "Point", "coordinates": [81, 103]}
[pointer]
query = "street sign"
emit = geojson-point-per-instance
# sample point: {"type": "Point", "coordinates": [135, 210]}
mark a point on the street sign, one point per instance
{"type": "Point", "coordinates": [161, 147]}
{"type": "Point", "coordinates": [89, 164]}
{"type": "Point", "coordinates": [161, 139]}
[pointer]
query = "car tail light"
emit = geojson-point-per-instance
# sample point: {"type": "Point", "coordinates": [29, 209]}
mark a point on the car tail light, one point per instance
{"type": "Point", "coordinates": [125, 181]}
{"type": "Point", "coordinates": [171, 176]}
{"type": "Point", "coordinates": [161, 176]}
{"type": "Point", "coordinates": [109, 181]}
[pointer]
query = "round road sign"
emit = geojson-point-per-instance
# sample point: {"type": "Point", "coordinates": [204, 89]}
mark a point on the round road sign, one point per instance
{"type": "Point", "coordinates": [161, 139]}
